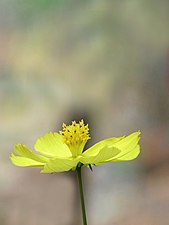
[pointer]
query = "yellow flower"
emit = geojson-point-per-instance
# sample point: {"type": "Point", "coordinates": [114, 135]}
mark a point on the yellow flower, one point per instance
{"type": "Point", "coordinates": [63, 151]}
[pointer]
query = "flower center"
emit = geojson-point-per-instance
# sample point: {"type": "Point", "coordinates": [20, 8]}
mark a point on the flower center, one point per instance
{"type": "Point", "coordinates": [75, 136]}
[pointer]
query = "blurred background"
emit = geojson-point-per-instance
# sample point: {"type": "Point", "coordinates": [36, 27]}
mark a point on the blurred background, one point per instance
{"type": "Point", "coordinates": [104, 61]}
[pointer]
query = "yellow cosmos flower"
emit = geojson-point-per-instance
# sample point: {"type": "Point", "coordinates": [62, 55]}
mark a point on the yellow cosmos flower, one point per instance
{"type": "Point", "coordinates": [63, 151]}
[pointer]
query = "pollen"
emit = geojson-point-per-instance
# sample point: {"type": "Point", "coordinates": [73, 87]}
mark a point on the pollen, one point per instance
{"type": "Point", "coordinates": [75, 134]}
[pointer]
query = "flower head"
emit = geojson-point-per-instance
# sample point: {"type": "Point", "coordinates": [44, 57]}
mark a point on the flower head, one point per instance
{"type": "Point", "coordinates": [63, 151]}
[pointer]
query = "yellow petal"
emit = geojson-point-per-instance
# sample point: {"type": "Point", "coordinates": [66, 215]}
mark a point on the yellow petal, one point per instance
{"type": "Point", "coordinates": [22, 150]}
{"type": "Point", "coordinates": [128, 156]}
{"type": "Point", "coordinates": [128, 146]}
{"type": "Point", "coordinates": [52, 145]}
{"type": "Point", "coordinates": [104, 144]}
{"type": "Point", "coordinates": [60, 165]}
{"type": "Point", "coordinates": [112, 150]}
{"type": "Point", "coordinates": [103, 155]}
{"type": "Point", "coordinates": [27, 157]}
{"type": "Point", "coordinates": [23, 161]}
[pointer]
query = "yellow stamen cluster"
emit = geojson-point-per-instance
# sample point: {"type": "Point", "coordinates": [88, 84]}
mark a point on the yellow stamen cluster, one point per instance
{"type": "Point", "coordinates": [75, 136]}
{"type": "Point", "coordinates": [76, 133]}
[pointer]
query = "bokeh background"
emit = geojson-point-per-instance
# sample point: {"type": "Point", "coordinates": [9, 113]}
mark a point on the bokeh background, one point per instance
{"type": "Point", "coordinates": [101, 60]}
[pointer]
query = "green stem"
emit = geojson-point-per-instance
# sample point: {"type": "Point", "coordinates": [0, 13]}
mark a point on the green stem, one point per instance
{"type": "Point", "coordinates": [79, 176]}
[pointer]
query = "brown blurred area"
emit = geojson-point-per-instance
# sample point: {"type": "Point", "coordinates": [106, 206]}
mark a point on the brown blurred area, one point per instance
{"type": "Point", "coordinates": [108, 63]}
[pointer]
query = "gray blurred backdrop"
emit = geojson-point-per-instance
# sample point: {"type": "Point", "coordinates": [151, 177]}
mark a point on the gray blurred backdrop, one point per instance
{"type": "Point", "coordinates": [101, 60]}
